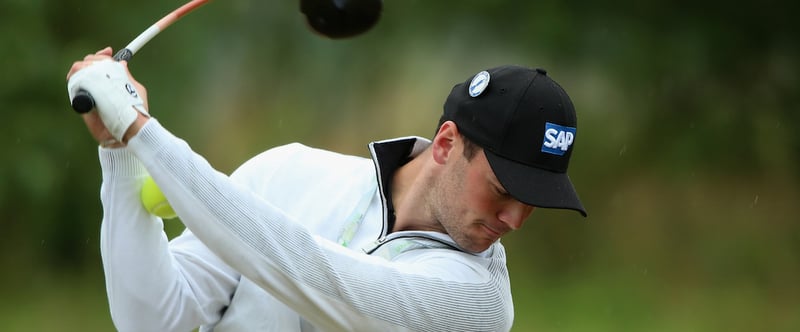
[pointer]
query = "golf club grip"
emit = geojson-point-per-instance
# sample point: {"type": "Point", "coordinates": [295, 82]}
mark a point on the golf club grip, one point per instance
{"type": "Point", "coordinates": [83, 101]}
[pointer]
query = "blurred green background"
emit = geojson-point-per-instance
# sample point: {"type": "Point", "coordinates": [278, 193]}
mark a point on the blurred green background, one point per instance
{"type": "Point", "coordinates": [687, 157]}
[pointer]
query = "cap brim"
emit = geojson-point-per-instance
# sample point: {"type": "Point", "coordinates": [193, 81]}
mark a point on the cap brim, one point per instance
{"type": "Point", "coordinates": [535, 186]}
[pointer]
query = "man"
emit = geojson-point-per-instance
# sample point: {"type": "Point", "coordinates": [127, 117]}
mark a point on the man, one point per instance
{"type": "Point", "coordinates": [300, 239]}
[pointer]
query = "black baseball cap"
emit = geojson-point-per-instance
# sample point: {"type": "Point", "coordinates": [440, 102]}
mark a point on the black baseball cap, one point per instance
{"type": "Point", "coordinates": [526, 124]}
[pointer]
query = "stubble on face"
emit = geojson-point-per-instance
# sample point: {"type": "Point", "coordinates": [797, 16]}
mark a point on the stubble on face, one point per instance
{"type": "Point", "coordinates": [450, 205]}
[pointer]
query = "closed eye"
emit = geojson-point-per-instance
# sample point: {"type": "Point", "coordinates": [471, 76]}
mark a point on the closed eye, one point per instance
{"type": "Point", "coordinates": [500, 191]}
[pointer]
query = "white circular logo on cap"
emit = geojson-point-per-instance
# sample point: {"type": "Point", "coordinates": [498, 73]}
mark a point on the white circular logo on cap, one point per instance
{"type": "Point", "coordinates": [478, 84]}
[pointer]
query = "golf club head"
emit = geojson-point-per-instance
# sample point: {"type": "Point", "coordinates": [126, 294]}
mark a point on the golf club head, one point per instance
{"type": "Point", "coordinates": [338, 19]}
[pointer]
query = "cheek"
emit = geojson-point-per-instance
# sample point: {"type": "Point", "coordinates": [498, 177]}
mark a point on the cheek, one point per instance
{"type": "Point", "coordinates": [479, 198]}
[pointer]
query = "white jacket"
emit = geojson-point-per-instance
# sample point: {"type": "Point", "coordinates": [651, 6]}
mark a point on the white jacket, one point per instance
{"type": "Point", "coordinates": [294, 240]}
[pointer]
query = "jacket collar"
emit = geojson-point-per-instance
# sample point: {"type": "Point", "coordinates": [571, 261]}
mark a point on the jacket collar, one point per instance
{"type": "Point", "coordinates": [388, 156]}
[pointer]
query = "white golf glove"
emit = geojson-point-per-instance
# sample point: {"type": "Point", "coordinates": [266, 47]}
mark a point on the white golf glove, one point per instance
{"type": "Point", "coordinates": [115, 97]}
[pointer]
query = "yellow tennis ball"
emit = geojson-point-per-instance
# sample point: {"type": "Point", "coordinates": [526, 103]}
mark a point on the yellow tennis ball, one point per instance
{"type": "Point", "coordinates": [154, 201]}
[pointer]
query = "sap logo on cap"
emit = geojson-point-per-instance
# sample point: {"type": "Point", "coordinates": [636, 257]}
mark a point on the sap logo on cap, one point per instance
{"type": "Point", "coordinates": [478, 84]}
{"type": "Point", "coordinates": [557, 139]}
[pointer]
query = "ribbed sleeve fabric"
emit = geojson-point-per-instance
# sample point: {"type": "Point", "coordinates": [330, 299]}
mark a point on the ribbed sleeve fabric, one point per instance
{"type": "Point", "coordinates": [333, 287]}
{"type": "Point", "coordinates": [146, 283]}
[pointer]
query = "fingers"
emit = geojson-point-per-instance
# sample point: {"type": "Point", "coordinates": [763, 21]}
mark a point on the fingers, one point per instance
{"type": "Point", "coordinates": [106, 51]}
{"type": "Point", "coordinates": [76, 66]}
{"type": "Point", "coordinates": [100, 55]}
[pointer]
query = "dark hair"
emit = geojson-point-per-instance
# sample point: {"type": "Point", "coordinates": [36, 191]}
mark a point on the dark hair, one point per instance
{"type": "Point", "coordinates": [470, 148]}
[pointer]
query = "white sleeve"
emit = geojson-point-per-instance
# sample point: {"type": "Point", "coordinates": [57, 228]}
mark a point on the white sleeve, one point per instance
{"type": "Point", "coordinates": [153, 285]}
{"type": "Point", "coordinates": [333, 287]}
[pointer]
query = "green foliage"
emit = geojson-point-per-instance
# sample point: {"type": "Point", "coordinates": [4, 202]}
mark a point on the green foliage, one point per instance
{"type": "Point", "coordinates": [687, 155]}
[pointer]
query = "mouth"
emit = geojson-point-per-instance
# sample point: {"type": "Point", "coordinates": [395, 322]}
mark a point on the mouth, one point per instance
{"type": "Point", "coordinates": [491, 231]}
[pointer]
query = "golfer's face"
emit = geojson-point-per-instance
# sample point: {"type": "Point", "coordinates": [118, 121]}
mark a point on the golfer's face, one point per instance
{"type": "Point", "coordinates": [477, 209]}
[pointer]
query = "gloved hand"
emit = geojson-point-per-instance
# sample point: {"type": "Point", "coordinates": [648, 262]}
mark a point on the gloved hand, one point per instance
{"type": "Point", "coordinates": [116, 99]}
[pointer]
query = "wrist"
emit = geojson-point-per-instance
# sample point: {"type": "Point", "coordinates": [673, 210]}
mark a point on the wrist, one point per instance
{"type": "Point", "coordinates": [111, 143]}
{"type": "Point", "coordinates": [134, 128]}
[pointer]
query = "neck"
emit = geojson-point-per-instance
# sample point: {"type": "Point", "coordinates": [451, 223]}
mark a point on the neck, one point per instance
{"type": "Point", "coordinates": [409, 185]}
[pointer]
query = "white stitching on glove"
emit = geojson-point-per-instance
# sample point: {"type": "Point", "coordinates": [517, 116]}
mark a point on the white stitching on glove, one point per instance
{"type": "Point", "coordinates": [115, 97]}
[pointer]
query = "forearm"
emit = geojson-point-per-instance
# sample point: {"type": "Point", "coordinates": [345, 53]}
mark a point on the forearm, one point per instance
{"type": "Point", "coordinates": [143, 279]}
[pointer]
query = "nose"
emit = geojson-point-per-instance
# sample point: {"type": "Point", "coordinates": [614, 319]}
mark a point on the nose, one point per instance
{"type": "Point", "coordinates": [514, 214]}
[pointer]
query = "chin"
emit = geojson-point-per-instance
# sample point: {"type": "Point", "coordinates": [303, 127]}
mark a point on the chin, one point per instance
{"type": "Point", "coordinates": [475, 247]}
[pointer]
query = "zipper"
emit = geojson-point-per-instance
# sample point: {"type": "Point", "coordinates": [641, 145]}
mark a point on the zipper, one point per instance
{"type": "Point", "coordinates": [384, 239]}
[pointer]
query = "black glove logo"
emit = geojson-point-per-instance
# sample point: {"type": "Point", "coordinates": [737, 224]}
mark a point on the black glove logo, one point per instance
{"type": "Point", "coordinates": [131, 90]}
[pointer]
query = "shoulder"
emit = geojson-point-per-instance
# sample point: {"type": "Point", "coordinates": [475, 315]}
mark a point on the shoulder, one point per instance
{"type": "Point", "coordinates": [294, 157]}
{"type": "Point", "coordinates": [450, 263]}
{"type": "Point", "coordinates": [279, 154]}
{"type": "Point", "coordinates": [467, 275]}
{"type": "Point", "coordinates": [301, 171]}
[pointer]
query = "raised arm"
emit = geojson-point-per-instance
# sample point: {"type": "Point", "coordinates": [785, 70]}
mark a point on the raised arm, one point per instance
{"type": "Point", "coordinates": [333, 287]}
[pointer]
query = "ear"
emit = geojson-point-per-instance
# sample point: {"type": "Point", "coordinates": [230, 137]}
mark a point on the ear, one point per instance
{"type": "Point", "coordinates": [445, 141]}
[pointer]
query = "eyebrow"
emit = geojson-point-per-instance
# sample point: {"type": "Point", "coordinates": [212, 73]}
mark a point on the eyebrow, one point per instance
{"type": "Point", "coordinates": [496, 183]}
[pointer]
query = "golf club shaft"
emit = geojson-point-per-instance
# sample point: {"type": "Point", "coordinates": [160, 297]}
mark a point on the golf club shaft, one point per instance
{"type": "Point", "coordinates": [83, 101]}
